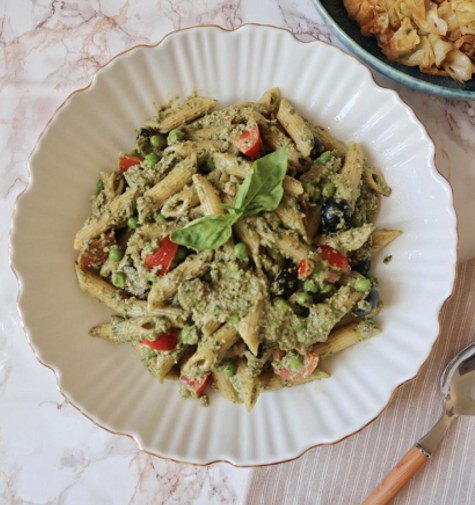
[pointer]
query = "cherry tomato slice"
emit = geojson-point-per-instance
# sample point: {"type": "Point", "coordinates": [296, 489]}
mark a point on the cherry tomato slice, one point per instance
{"type": "Point", "coordinates": [306, 268]}
{"type": "Point", "coordinates": [335, 258]}
{"type": "Point", "coordinates": [127, 161]}
{"type": "Point", "coordinates": [309, 365]}
{"type": "Point", "coordinates": [97, 251]}
{"type": "Point", "coordinates": [163, 256]}
{"type": "Point", "coordinates": [164, 342]}
{"type": "Point", "coordinates": [249, 143]}
{"type": "Point", "coordinates": [197, 385]}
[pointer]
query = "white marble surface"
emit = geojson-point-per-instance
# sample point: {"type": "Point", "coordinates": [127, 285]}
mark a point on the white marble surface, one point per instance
{"type": "Point", "coordinates": [49, 453]}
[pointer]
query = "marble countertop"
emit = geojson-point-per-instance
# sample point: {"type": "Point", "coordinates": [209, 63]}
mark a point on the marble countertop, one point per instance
{"type": "Point", "coordinates": [49, 453]}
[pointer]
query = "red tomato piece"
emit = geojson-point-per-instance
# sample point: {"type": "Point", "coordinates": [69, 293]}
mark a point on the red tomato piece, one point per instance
{"type": "Point", "coordinates": [127, 161]}
{"type": "Point", "coordinates": [97, 251]}
{"type": "Point", "coordinates": [309, 365]}
{"type": "Point", "coordinates": [249, 143]}
{"type": "Point", "coordinates": [333, 276]}
{"type": "Point", "coordinates": [335, 258]}
{"type": "Point", "coordinates": [306, 268]}
{"type": "Point", "coordinates": [164, 342]}
{"type": "Point", "coordinates": [196, 385]}
{"type": "Point", "coordinates": [163, 256]}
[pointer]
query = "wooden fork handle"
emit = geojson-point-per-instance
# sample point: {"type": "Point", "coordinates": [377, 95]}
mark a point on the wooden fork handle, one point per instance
{"type": "Point", "coordinates": [397, 478]}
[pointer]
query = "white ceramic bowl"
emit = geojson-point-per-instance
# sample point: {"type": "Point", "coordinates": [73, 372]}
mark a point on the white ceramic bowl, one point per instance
{"type": "Point", "coordinates": [108, 383]}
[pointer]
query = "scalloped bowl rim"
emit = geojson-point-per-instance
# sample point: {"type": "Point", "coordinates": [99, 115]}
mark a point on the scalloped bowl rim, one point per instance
{"type": "Point", "coordinates": [250, 26]}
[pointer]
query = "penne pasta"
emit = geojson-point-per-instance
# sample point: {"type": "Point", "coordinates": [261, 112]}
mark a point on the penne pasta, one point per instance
{"type": "Point", "coordinates": [296, 127]}
{"type": "Point", "coordinates": [345, 337]}
{"type": "Point", "coordinates": [246, 384]}
{"type": "Point", "coordinates": [375, 180]}
{"type": "Point", "coordinates": [114, 216]}
{"type": "Point", "coordinates": [349, 240]}
{"type": "Point", "coordinates": [382, 238]}
{"type": "Point", "coordinates": [180, 202]}
{"type": "Point", "coordinates": [350, 177]}
{"type": "Point", "coordinates": [223, 385]}
{"type": "Point", "coordinates": [165, 287]}
{"type": "Point", "coordinates": [249, 327]}
{"type": "Point", "coordinates": [174, 182]}
{"type": "Point", "coordinates": [270, 99]}
{"type": "Point", "coordinates": [211, 351]}
{"type": "Point", "coordinates": [208, 196]}
{"type": "Point", "coordinates": [186, 112]}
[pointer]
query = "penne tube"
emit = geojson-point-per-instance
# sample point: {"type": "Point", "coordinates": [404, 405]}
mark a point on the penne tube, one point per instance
{"type": "Point", "coordinates": [376, 181]}
{"type": "Point", "coordinates": [223, 385]}
{"type": "Point", "coordinates": [211, 133]}
{"type": "Point", "coordinates": [313, 221]}
{"type": "Point", "coordinates": [350, 176]}
{"type": "Point", "coordinates": [174, 182]}
{"type": "Point", "coordinates": [121, 330]}
{"type": "Point", "coordinates": [186, 112]}
{"type": "Point", "coordinates": [345, 337]}
{"type": "Point", "coordinates": [296, 127]}
{"type": "Point", "coordinates": [113, 298]}
{"type": "Point", "coordinates": [114, 215]}
{"type": "Point", "coordinates": [270, 99]}
{"type": "Point", "coordinates": [211, 351]}
{"type": "Point", "coordinates": [330, 143]}
{"type": "Point", "coordinates": [180, 202]}
{"type": "Point", "coordinates": [249, 327]}
{"type": "Point", "coordinates": [165, 287]}
{"type": "Point", "coordinates": [382, 238]}
{"type": "Point", "coordinates": [246, 384]}
{"type": "Point", "coordinates": [208, 196]}
{"type": "Point", "coordinates": [161, 365]}
{"type": "Point", "coordinates": [290, 216]}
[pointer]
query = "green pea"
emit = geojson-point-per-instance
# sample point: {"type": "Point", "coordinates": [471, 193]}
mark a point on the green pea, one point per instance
{"type": "Point", "coordinates": [160, 217]}
{"type": "Point", "coordinates": [327, 288]}
{"type": "Point", "coordinates": [118, 280]}
{"type": "Point", "coordinates": [310, 188]}
{"type": "Point", "coordinates": [234, 319]}
{"type": "Point", "coordinates": [240, 250]}
{"type": "Point", "coordinates": [234, 269]}
{"type": "Point", "coordinates": [157, 141]}
{"type": "Point", "coordinates": [133, 152]}
{"type": "Point", "coordinates": [356, 221]}
{"type": "Point", "coordinates": [181, 254]}
{"type": "Point", "coordinates": [100, 185]}
{"type": "Point", "coordinates": [299, 325]}
{"type": "Point", "coordinates": [317, 196]}
{"type": "Point", "coordinates": [149, 353]}
{"type": "Point", "coordinates": [96, 191]}
{"type": "Point", "coordinates": [116, 254]}
{"type": "Point", "coordinates": [294, 362]}
{"type": "Point", "coordinates": [317, 270]}
{"type": "Point", "coordinates": [207, 278]}
{"type": "Point", "coordinates": [175, 136]}
{"type": "Point", "coordinates": [281, 304]}
{"type": "Point", "coordinates": [132, 223]}
{"type": "Point", "coordinates": [324, 157]}
{"type": "Point", "coordinates": [152, 159]}
{"type": "Point", "coordinates": [185, 335]}
{"type": "Point", "coordinates": [229, 368]}
{"type": "Point", "coordinates": [310, 287]}
{"type": "Point", "coordinates": [303, 299]}
{"type": "Point", "coordinates": [329, 189]}
{"type": "Point", "coordinates": [363, 285]}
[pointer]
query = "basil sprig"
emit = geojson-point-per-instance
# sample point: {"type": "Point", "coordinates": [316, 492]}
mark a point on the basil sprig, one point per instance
{"type": "Point", "coordinates": [260, 191]}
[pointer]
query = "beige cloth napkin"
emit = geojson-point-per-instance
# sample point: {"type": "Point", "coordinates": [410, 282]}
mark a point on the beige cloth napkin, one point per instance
{"type": "Point", "coordinates": [344, 474]}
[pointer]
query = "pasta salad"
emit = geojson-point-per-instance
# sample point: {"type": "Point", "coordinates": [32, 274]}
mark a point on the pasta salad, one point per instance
{"type": "Point", "coordinates": [235, 246]}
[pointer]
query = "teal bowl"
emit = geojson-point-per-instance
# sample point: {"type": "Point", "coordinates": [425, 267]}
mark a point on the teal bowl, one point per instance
{"type": "Point", "coordinates": [348, 33]}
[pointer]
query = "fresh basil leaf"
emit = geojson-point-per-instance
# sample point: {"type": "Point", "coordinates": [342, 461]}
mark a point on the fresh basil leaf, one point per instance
{"type": "Point", "coordinates": [262, 189]}
{"type": "Point", "coordinates": [229, 207]}
{"type": "Point", "coordinates": [209, 232]}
